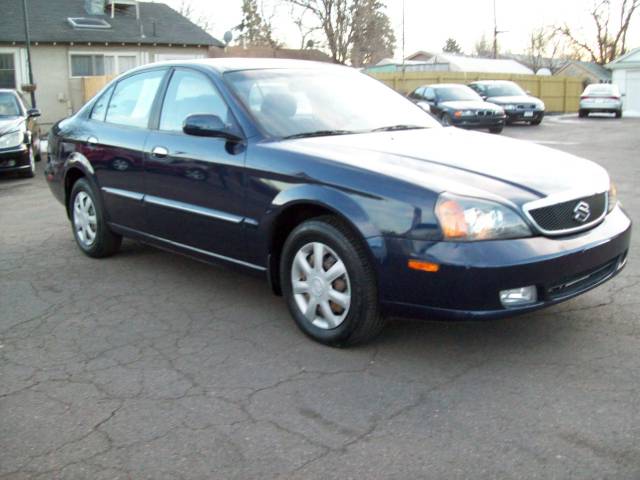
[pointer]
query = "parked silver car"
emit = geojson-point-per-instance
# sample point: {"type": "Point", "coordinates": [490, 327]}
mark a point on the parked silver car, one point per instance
{"type": "Point", "coordinates": [600, 98]}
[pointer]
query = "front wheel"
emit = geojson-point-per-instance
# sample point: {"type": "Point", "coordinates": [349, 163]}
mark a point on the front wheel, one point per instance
{"type": "Point", "coordinates": [89, 225]}
{"type": "Point", "coordinates": [446, 120]}
{"type": "Point", "coordinates": [329, 283]}
{"type": "Point", "coordinates": [497, 129]}
{"type": "Point", "coordinates": [31, 171]}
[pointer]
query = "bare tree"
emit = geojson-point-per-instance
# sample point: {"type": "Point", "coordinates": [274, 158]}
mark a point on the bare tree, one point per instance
{"type": "Point", "coordinates": [483, 48]}
{"type": "Point", "coordinates": [186, 10]}
{"type": "Point", "coordinates": [307, 31]}
{"type": "Point", "coordinates": [611, 25]}
{"type": "Point", "coordinates": [343, 23]}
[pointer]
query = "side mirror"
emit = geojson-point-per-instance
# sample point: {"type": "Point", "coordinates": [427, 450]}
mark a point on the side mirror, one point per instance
{"type": "Point", "coordinates": [33, 113]}
{"type": "Point", "coordinates": [528, 92]}
{"type": "Point", "coordinates": [205, 125]}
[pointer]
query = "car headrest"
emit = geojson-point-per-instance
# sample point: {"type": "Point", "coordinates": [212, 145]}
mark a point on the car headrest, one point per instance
{"type": "Point", "coordinates": [280, 105]}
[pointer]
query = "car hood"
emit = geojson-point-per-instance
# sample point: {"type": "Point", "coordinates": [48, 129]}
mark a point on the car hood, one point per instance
{"type": "Point", "coordinates": [460, 161]}
{"type": "Point", "coordinates": [467, 105]}
{"type": "Point", "coordinates": [514, 99]}
{"type": "Point", "coordinates": [9, 124]}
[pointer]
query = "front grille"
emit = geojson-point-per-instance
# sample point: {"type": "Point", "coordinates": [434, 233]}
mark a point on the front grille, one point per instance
{"type": "Point", "coordinates": [563, 218]}
{"type": "Point", "coordinates": [583, 281]}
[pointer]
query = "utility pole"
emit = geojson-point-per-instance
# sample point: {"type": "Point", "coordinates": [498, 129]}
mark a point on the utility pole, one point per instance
{"type": "Point", "coordinates": [496, 32]}
{"type": "Point", "coordinates": [28, 39]}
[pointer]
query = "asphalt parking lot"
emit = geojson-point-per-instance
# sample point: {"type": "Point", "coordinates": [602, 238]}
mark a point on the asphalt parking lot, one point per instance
{"type": "Point", "coordinates": [151, 365]}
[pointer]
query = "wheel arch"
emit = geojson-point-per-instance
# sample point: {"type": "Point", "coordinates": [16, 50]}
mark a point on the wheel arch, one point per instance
{"type": "Point", "coordinates": [295, 206]}
{"type": "Point", "coordinates": [76, 166]}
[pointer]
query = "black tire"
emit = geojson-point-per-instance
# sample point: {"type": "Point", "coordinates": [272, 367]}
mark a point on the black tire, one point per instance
{"type": "Point", "coordinates": [497, 129]}
{"type": "Point", "coordinates": [106, 242]}
{"type": "Point", "coordinates": [583, 113]}
{"type": "Point", "coordinates": [446, 120]}
{"type": "Point", "coordinates": [619, 114]}
{"type": "Point", "coordinates": [363, 320]}
{"type": "Point", "coordinates": [31, 171]}
{"type": "Point", "coordinates": [536, 122]}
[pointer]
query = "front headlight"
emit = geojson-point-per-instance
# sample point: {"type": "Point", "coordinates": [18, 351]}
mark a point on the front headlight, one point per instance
{"type": "Point", "coordinates": [10, 140]}
{"type": "Point", "coordinates": [612, 197]}
{"type": "Point", "coordinates": [542, 106]}
{"type": "Point", "coordinates": [509, 107]}
{"type": "Point", "coordinates": [468, 219]}
{"type": "Point", "coordinates": [463, 113]}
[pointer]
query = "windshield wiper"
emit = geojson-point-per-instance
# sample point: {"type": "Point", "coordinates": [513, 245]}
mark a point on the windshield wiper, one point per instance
{"type": "Point", "coordinates": [318, 133]}
{"type": "Point", "coordinates": [393, 128]}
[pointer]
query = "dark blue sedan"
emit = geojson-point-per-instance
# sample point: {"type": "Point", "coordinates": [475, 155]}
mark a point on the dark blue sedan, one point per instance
{"type": "Point", "coordinates": [352, 201]}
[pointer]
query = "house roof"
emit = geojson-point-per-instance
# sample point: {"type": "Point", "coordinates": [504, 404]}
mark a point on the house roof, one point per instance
{"type": "Point", "coordinates": [591, 67]}
{"type": "Point", "coordinates": [482, 65]}
{"type": "Point", "coordinates": [630, 59]}
{"type": "Point", "coordinates": [48, 23]}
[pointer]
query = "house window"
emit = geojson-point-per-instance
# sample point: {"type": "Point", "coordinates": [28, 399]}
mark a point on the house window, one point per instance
{"type": "Point", "coordinates": [7, 70]}
{"type": "Point", "coordinates": [87, 65]}
{"type": "Point", "coordinates": [91, 65]}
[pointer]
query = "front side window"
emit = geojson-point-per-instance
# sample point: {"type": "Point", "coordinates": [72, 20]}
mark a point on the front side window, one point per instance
{"type": "Point", "coordinates": [190, 93]}
{"type": "Point", "coordinates": [288, 102]}
{"type": "Point", "coordinates": [461, 93]}
{"type": "Point", "coordinates": [133, 98]}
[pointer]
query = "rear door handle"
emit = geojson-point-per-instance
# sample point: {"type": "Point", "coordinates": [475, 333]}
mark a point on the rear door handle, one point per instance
{"type": "Point", "coordinates": [159, 152]}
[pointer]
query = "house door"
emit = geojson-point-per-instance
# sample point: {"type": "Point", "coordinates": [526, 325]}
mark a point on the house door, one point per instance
{"type": "Point", "coordinates": [632, 99]}
{"type": "Point", "coordinates": [7, 70]}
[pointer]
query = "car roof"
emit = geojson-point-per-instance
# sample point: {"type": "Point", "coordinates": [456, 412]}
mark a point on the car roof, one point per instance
{"type": "Point", "coordinates": [446, 85]}
{"type": "Point", "coordinates": [222, 65]}
{"type": "Point", "coordinates": [488, 82]}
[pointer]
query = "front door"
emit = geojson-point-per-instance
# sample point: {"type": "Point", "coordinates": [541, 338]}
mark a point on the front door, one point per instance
{"type": "Point", "coordinates": [195, 193]}
{"type": "Point", "coordinates": [114, 145]}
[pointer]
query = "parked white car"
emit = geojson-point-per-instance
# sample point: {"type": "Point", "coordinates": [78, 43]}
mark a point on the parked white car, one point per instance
{"type": "Point", "coordinates": [600, 98]}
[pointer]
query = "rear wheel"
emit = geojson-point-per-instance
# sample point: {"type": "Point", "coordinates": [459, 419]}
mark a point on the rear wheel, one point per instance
{"type": "Point", "coordinates": [497, 129]}
{"type": "Point", "coordinates": [329, 283]}
{"type": "Point", "coordinates": [89, 226]}
{"type": "Point", "coordinates": [619, 114]}
{"type": "Point", "coordinates": [583, 113]}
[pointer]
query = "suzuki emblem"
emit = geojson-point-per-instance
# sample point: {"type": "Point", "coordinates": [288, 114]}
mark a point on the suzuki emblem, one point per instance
{"type": "Point", "coordinates": [581, 212]}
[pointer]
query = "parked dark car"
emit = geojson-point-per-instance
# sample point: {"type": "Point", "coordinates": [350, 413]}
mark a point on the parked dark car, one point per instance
{"type": "Point", "coordinates": [19, 135]}
{"type": "Point", "coordinates": [460, 106]}
{"type": "Point", "coordinates": [519, 105]}
{"type": "Point", "coordinates": [353, 210]}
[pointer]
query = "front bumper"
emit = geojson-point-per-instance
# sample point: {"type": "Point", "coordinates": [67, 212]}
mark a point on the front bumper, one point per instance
{"type": "Point", "coordinates": [14, 159]}
{"type": "Point", "coordinates": [479, 122]}
{"type": "Point", "coordinates": [472, 274]}
{"type": "Point", "coordinates": [524, 115]}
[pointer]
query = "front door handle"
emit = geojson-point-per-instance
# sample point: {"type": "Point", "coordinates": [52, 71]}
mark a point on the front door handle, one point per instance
{"type": "Point", "coordinates": [159, 152]}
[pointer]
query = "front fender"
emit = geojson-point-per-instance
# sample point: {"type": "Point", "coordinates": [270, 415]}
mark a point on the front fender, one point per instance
{"type": "Point", "coordinates": [343, 204]}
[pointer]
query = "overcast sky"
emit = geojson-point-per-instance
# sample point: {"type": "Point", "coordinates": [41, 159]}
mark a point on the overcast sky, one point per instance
{"type": "Point", "coordinates": [428, 23]}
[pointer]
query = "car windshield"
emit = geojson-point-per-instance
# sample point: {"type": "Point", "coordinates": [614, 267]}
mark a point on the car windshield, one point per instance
{"type": "Point", "coordinates": [602, 89]}
{"type": "Point", "coordinates": [506, 89]}
{"type": "Point", "coordinates": [9, 106]}
{"type": "Point", "coordinates": [323, 101]}
{"type": "Point", "coordinates": [449, 94]}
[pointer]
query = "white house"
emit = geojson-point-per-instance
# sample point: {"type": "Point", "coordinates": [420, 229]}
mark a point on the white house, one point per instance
{"type": "Point", "coordinates": [626, 75]}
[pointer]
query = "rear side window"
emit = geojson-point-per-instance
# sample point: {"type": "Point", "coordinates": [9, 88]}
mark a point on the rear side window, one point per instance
{"type": "Point", "coordinates": [190, 93]}
{"type": "Point", "coordinates": [100, 107]}
{"type": "Point", "coordinates": [133, 98]}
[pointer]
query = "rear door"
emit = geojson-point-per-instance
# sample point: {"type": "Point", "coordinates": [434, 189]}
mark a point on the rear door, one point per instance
{"type": "Point", "coordinates": [114, 144]}
{"type": "Point", "coordinates": [195, 191]}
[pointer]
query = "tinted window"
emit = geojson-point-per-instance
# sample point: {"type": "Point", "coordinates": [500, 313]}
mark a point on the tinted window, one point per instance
{"type": "Point", "coordinates": [133, 98]}
{"type": "Point", "coordinates": [505, 89]}
{"type": "Point", "coordinates": [461, 93]}
{"type": "Point", "coordinates": [190, 93]}
{"type": "Point", "coordinates": [100, 107]}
